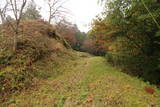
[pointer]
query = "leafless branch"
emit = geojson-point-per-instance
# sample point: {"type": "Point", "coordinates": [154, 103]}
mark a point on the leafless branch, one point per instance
{"type": "Point", "coordinates": [17, 10]}
{"type": "Point", "coordinates": [3, 11]}
{"type": "Point", "coordinates": [56, 9]}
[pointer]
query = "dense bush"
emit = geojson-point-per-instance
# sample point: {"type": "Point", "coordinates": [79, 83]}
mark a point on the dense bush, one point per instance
{"type": "Point", "coordinates": [95, 47]}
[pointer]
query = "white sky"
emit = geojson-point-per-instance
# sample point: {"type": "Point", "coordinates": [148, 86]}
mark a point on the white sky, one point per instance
{"type": "Point", "coordinates": [81, 11]}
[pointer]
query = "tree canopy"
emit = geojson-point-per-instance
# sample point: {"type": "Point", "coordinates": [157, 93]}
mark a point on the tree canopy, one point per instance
{"type": "Point", "coordinates": [130, 29]}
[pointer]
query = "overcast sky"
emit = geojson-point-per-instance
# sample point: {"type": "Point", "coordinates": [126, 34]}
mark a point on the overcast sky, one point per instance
{"type": "Point", "coordinates": [81, 11]}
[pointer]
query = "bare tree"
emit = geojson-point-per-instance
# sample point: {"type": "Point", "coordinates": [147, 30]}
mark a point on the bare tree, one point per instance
{"type": "Point", "coordinates": [16, 7]}
{"type": "Point", "coordinates": [56, 9]}
{"type": "Point", "coordinates": [3, 11]}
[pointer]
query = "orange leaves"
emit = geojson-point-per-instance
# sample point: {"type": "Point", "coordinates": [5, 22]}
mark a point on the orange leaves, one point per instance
{"type": "Point", "coordinates": [103, 32]}
{"type": "Point", "coordinates": [96, 47]}
{"type": "Point", "coordinates": [69, 35]}
{"type": "Point", "coordinates": [68, 31]}
{"type": "Point", "coordinates": [102, 29]}
{"type": "Point", "coordinates": [100, 45]}
{"type": "Point", "coordinates": [1, 55]}
{"type": "Point", "coordinates": [110, 48]}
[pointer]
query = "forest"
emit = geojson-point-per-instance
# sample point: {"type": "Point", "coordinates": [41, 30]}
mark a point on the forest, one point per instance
{"type": "Point", "coordinates": [47, 61]}
{"type": "Point", "coordinates": [130, 31]}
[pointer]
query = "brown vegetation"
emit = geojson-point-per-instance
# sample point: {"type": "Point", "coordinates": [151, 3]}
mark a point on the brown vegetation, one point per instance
{"type": "Point", "coordinates": [36, 40]}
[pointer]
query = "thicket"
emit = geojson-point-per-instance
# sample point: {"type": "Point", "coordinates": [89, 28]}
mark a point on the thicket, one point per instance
{"type": "Point", "coordinates": [95, 47]}
{"type": "Point", "coordinates": [131, 31]}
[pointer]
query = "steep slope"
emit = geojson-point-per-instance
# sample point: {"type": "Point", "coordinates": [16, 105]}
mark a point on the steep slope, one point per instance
{"type": "Point", "coordinates": [88, 82]}
{"type": "Point", "coordinates": [38, 46]}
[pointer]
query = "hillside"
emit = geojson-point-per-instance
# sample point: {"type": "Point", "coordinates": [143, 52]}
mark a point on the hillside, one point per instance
{"type": "Point", "coordinates": [39, 48]}
{"type": "Point", "coordinates": [86, 82]}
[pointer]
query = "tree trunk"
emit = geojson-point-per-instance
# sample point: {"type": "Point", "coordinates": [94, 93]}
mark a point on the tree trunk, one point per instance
{"type": "Point", "coordinates": [15, 42]}
{"type": "Point", "coordinates": [50, 14]}
{"type": "Point", "coordinates": [2, 18]}
{"type": "Point", "coordinates": [49, 20]}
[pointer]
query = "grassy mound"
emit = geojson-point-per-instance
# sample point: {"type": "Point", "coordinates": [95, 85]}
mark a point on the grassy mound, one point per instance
{"type": "Point", "coordinates": [37, 41]}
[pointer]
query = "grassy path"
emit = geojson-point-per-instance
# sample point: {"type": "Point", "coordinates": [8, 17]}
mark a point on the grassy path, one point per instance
{"type": "Point", "coordinates": [88, 82]}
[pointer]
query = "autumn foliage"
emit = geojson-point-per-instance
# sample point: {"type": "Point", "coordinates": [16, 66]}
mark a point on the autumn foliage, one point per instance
{"type": "Point", "coordinates": [131, 34]}
{"type": "Point", "coordinates": [37, 40]}
{"type": "Point", "coordinates": [95, 47]}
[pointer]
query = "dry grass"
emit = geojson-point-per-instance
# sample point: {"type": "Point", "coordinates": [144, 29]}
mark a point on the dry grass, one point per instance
{"type": "Point", "coordinates": [37, 40]}
{"type": "Point", "coordinates": [88, 82]}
